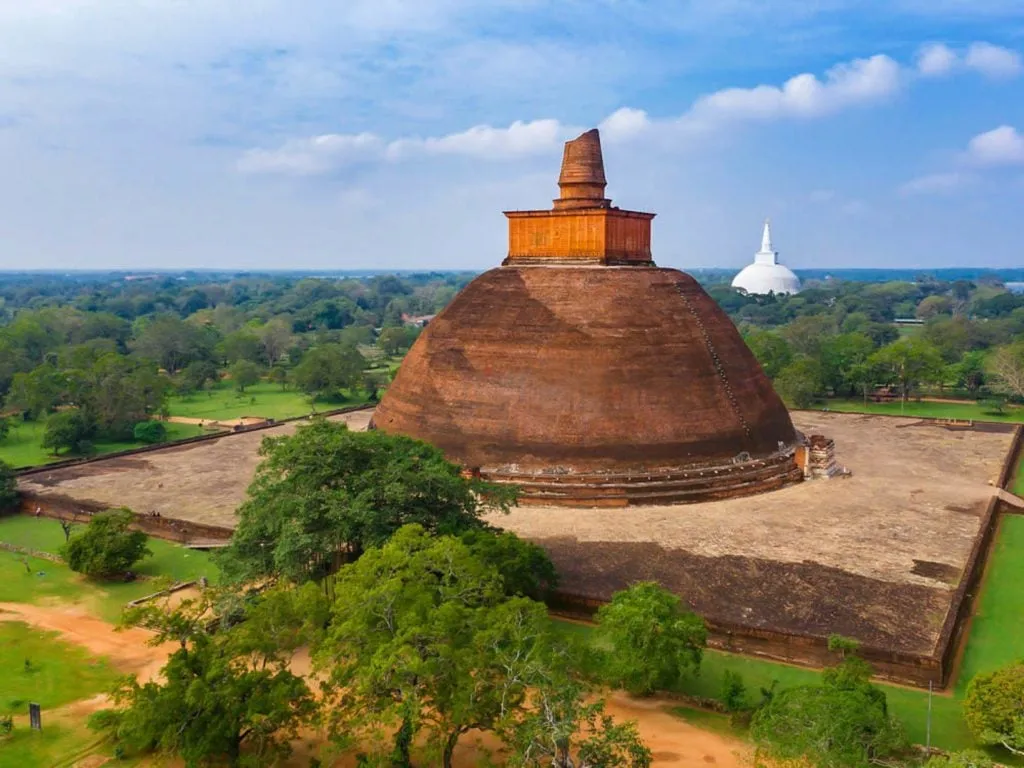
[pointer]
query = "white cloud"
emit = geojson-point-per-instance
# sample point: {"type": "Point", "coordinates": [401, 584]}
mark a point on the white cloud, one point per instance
{"type": "Point", "coordinates": [309, 157]}
{"type": "Point", "coordinates": [993, 61]}
{"type": "Point", "coordinates": [862, 81]}
{"type": "Point", "coordinates": [624, 123]}
{"type": "Point", "coordinates": [848, 84]}
{"type": "Point", "coordinates": [934, 184]}
{"type": "Point", "coordinates": [936, 59]}
{"type": "Point", "coordinates": [1000, 146]}
{"type": "Point", "coordinates": [484, 141]}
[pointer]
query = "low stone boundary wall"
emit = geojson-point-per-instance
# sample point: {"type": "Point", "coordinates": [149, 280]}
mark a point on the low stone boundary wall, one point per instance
{"type": "Point", "coordinates": [1008, 475]}
{"type": "Point", "coordinates": [63, 508]}
{"type": "Point", "coordinates": [31, 552]}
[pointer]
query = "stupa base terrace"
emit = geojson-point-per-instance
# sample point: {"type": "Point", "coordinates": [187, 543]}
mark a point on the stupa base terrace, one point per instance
{"type": "Point", "coordinates": [890, 555]}
{"type": "Point", "coordinates": [683, 485]}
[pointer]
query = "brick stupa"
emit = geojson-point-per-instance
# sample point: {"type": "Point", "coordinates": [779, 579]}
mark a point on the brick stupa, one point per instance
{"type": "Point", "coordinates": [586, 375]}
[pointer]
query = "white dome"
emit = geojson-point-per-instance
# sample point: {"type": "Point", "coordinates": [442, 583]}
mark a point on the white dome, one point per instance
{"type": "Point", "coordinates": [766, 275]}
{"type": "Point", "coordinates": [766, 278]}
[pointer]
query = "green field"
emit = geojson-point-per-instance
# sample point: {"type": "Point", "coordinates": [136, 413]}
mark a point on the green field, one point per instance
{"type": "Point", "coordinates": [966, 410]}
{"type": "Point", "coordinates": [23, 446]}
{"type": "Point", "coordinates": [265, 400]}
{"type": "Point", "coordinates": [53, 581]}
{"type": "Point", "coordinates": [38, 666]}
{"type": "Point", "coordinates": [996, 638]}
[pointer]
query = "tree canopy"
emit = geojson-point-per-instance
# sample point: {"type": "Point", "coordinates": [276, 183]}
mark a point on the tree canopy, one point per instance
{"type": "Point", "coordinates": [326, 493]}
{"type": "Point", "coordinates": [105, 548]}
{"type": "Point", "coordinates": [652, 640]}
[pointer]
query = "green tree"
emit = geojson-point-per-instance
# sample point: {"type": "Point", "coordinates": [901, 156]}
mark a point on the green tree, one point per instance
{"type": "Point", "coordinates": [994, 708]}
{"type": "Point", "coordinates": [908, 363]}
{"type": "Point", "coordinates": [653, 640]}
{"type": "Point", "coordinates": [67, 430]}
{"type": "Point", "coordinates": [8, 487]}
{"type": "Point", "coordinates": [842, 723]}
{"type": "Point", "coordinates": [800, 381]}
{"type": "Point", "coordinates": [561, 730]}
{"type": "Point", "coordinates": [394, 341]}
{"type": "Point", "coordinates": [244, 374]}
{"type": "Point", "coordinates": [225, 697]}
{"type": "Point", "coordinates": [327, 369]}
{"type": "Point", "coordinates": [275, 338]}
{"type": "Point", "coordinates": [326, 492]}
{"type": "Point", "coordinates": [241, 345]}
{"type": "Point", "coordinates": [771, 350]}
{"type": "Point", "coordinates": [172, 343]}
{"type": "Point", "coordinates": [150, 432]}
{"type": "Point", "coordinates": [39, 391]}
{"type": "Point", "coordinates": [117, 392]}
{"type": "Point", "coordinates": [279, 375]}
{"type": "Point", "coordinates": [402, 652]}
{"type": "Point", "coordinates": [424, 646]}
{"type": "Point", "coordinates": [106, 548]}
{"type": "Point", "coordinates": [841, 356]}
{"type": "Point", "coordinates": [196, 376]}
{"type": "Point", "coordinates": [525, 568]}
{"type": "Point", "coordinates": [1005, 369]}
{"type": "Point", "coordinates": [968, 758]}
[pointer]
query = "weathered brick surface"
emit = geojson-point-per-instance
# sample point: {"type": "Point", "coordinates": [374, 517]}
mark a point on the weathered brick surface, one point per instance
{"type": "Point", "coordinates": [563, 371]}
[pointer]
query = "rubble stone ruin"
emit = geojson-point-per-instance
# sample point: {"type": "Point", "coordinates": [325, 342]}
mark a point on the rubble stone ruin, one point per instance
{"type": "Point", "coordinates": [588, 376]}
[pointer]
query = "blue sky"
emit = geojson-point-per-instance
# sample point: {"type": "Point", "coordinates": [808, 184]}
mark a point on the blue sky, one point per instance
{"type": "Point", "coordinates": [392, 133]}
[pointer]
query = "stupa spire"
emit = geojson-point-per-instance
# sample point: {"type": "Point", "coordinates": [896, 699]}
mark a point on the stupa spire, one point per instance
{"type": "Point", "coordinates": [766, 237]}
{"type": "Point", "coordinates": [582, 180]}
{"type": "Point", "coordinates": [767, 254]}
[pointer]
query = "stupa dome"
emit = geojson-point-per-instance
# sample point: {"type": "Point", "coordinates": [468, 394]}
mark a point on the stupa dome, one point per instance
{"type": "Point", "coordinates": [587, 376]}
{"type": "Point", "coordinates": [766, 275]}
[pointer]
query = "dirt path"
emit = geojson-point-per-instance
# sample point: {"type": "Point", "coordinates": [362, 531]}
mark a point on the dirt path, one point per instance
{"type": "Point", "coordinates": [673, 742]}
{"type": "Point", "coordinates": [127, 649]}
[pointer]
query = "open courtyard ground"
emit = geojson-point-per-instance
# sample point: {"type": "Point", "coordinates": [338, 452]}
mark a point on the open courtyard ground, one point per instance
{"type": "Point", "coordinates": [876, 556]}
{"type": "Point", "coordinates": [200, 482]}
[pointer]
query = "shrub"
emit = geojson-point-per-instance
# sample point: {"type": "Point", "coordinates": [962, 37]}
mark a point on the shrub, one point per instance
{"type": "Point", "coordinates": [150, 432]}
{"type": "Point", "coordinates": [8, 487]}
{"type": "Point", "coordinates": [105, 548]}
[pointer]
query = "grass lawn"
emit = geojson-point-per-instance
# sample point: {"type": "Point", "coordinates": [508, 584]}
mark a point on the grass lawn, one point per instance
{"type": "Point", "coordinates": [265, 400]}
{"type": "Point", "coordinates": [965, 410]}
{"type": "Point", "coordinates": [60, 744]}
{"type": "Point", "coordinates": [56, 673]}
{"type": "Point", "coordinates": [53, 581]}
{"type": "Point", "coordinates": [996, 638]}
{"type": "Point", "coordinates": [23, 446]}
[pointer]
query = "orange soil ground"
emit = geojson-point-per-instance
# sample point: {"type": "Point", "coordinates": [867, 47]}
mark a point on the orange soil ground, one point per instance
{"type": "Point", "coordinates": [673, 741]}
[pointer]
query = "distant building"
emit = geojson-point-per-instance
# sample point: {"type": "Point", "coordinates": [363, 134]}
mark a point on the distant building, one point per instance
{"type": "Point", "coordinates": [766, 275]}
{"type": "Point", "coordinates": [419, 321]}
{"type": "Point", "coordinates": [1015, 287]}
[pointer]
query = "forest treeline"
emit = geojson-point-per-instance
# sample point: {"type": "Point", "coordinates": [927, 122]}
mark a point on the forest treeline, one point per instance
{"type": "Point", "coordinates": [97, 359]}
{"type": "Point", "coordinates": [841, 339]}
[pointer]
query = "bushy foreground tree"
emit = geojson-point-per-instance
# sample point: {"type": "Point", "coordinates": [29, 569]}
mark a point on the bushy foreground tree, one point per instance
{"type": "Point", "coordinates": [106, 548]}
{"type": "Point", "coordinates": [226, 696]}
{"type": "Point", "coordinates": [994, 708]}
{"type": "Point", "coordinates": [842, 723]}
{"type": "Point", "coordinates": [326, 494]}
{"type": "Point", "coordinates": [653, 640]}
{"type": "Point", "coordinates": [425, 646]}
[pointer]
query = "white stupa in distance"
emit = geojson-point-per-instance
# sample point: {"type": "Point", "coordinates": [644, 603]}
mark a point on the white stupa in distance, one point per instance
{"type": "Point", "coordinates": [766, 275]}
